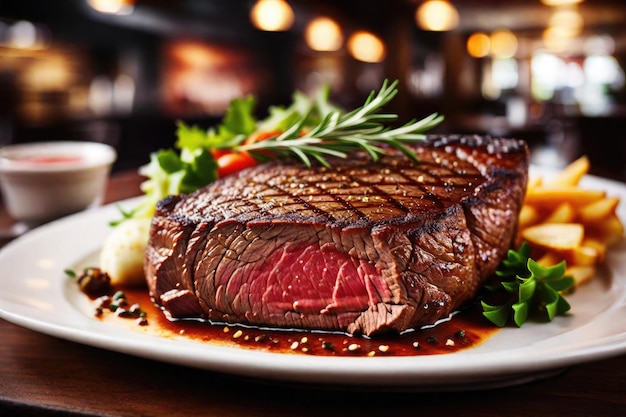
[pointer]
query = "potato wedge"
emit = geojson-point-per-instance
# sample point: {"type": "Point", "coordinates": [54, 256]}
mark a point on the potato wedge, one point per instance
{"type": "Point", "coordinates": [555, 236]}
{"type": "Point", "coordinates": [571, 174]}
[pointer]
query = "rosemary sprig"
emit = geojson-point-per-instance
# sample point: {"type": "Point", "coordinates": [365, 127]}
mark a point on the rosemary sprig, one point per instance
{"type": "Point", "coordinates": [533, 289]}
{"type": "Point", "coordinates": [339, 134]}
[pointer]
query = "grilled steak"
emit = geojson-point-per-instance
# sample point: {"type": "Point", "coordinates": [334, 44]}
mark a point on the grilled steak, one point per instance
{"type": "Point", "coordinates": [361, 247]}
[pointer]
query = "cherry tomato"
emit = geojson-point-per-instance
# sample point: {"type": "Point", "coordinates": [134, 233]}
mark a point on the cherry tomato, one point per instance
{"type": "Point", "coordinates": [234, 162]}
{"type": "Point", "coordinates": [217, 153]}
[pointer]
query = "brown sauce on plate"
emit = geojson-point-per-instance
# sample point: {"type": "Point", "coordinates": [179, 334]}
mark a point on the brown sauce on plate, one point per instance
{"type": "Point", "coordinates": [465, 329]}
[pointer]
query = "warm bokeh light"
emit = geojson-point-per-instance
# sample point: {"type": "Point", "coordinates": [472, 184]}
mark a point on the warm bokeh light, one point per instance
{"type": "Point", "coordinates": [112, 6]}
{"type": "Point", "coordinates": [478, 45]}
{"type": "Point", "coordinates": [272, 15]}
{"type": "Point", "coordinates": [22, 34]}
{"type": "Point", "coordinates": [503, 43]}
{"type": "Point", "coordinates": [547, 75]}
{"type": "Point", "coordinates": [200, 77]}
{"type": "Point", "coordinates": [101, 96]}
{"type": "Point", "coordinates": [560, 2]}
{"type": "Point", "coordinates": [323, 34]}
{"type": "Point", "coordinates": [367, 47]}
{"type": "Point", "coordinates": [568, 22]}
{"type": "Point", "coordinates": [123, 94]}
{"type": "Point", "coordinates": [437, 15]}
{"type": "Point", "coordinates": [196, 55]}
{"type": "Point", "coordinates": [556, 39]}
{"type": "Point", "coordinates": [49, 74]}
{"type": "Point", "coordinates": [599, 45]}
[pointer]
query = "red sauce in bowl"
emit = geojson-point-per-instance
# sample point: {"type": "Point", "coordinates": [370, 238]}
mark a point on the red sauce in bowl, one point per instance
{"type": "Point", "coordinates": [49, 160]}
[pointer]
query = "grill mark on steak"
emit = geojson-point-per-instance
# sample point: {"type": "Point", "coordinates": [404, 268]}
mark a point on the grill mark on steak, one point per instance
{"type": "Point", "coordinates": [362, 247]}
{"type": "Point", "coordinates": [306, 187]}
{"type": "Point", "coordinates": [371, 189]}
{"type": "Point", "coordinates": [305, 203]}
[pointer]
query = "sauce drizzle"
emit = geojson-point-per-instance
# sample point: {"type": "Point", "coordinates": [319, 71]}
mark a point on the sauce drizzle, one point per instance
{"type": "Point", "coordinates": [464, 330]}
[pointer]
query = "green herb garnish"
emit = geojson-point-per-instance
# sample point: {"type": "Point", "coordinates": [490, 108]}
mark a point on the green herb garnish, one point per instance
{"type": "Point", "coordinates": [338, 134]}
{"type": "Point", "coordinates": [533, 289]}
{"type": "Point", "coordinates": [311, 128]}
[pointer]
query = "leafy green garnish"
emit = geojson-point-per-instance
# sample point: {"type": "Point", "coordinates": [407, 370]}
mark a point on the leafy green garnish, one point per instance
{"type": "Point", "coordinates": [171, 173]}
{"type": "Point", "coordinates": [533, 289]}
{"type": "Point", "coordinates": [238, 123]}
{"type": "Point", "coordinates": [310, 128]}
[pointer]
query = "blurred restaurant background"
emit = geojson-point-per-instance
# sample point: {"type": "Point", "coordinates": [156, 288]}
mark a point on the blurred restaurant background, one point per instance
{"type": "Point", "coordinates": [123, 72]}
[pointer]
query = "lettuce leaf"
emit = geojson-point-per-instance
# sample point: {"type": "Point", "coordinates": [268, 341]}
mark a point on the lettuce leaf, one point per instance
{"type": "Point", "coordinates": [191, 165]}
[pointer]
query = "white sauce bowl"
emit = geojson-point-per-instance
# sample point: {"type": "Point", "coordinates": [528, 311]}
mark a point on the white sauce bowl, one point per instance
{"type": "Point", "coordinates": [42, 181]}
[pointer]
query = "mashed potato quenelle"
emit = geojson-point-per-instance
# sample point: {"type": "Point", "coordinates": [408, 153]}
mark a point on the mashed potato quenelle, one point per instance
{"type": "Point", "coordinates": [124, 250]}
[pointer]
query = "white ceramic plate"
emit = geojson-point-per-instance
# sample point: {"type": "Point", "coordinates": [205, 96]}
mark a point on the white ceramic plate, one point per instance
{"type": "Point", "coordinates": [36, 294]}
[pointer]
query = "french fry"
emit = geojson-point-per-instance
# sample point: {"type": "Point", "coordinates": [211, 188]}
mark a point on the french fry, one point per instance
{"type": "Point", "coordinates": [551, 195]}
{"type": "Point", "coordinates": [563, 221]}
{"type": "Point", "coordinates": [572, 174]}
{"type": "Point", "coordinates": [597, 210]}
{"type": "Point", "coordinates": [582, 256]}
{"type": "Point", "coordinates": [609, 230]}
{"type": "Point", "coordinates": [597, 244]}
{"type": "Point", "coordinates": [549, 259]}
{"type": "Point", "coordinates": [528, 216]}
{"type": "Point", "coordinates": [581, 274]}
{"type": "Point", "coordinates": [534, 182]}
{"type": "Point", "coordinates": [563, 213]}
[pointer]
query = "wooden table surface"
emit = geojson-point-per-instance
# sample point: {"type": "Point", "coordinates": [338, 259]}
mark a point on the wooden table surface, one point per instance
{"type": "Point", "coordinates": [43, 375]}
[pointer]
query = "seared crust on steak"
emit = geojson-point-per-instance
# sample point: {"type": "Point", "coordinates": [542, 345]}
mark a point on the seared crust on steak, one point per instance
{"type": "Point", "coordinates": [361, 247]}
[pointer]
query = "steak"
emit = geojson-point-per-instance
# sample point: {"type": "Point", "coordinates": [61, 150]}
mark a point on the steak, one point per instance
{"type": "Point", "coordinates": [363, 247]}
